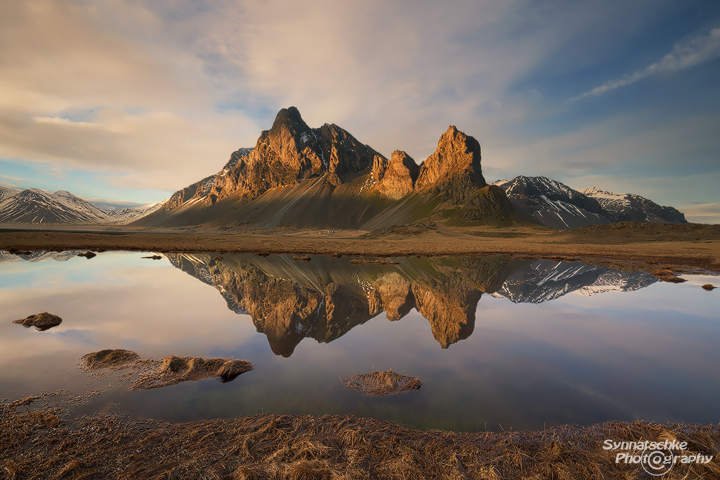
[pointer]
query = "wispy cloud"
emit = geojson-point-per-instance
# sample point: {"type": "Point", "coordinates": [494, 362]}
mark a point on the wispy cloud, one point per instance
{"type": "Point", "coordinates": [12, 178]}
{"type": "Point", "coordinates": [707, 213]}
{"type": "Point", "coordinates": [683, 55]}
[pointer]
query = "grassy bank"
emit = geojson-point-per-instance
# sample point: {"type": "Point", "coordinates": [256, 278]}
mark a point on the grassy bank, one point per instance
{"type": "Point", "coordinates": [682, 246]}
{"type": "Point", "coordinates": [38, 444]}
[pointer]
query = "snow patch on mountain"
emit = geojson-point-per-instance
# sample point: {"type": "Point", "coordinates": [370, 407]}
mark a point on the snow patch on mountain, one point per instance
{"type": "Point", "coordinates": [38, 207]}
{"type": "Point", "coordinates": [542, 280]}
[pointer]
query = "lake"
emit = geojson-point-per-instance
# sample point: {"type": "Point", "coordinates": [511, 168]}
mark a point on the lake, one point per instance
{"type": "Point", "coordinates": [499, 343]}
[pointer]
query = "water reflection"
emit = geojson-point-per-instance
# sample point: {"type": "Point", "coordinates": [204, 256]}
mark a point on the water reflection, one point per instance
{"type": "Point", "coordinates": [531, 362]}
{"type": "Point", "coordinates": [289, 300]}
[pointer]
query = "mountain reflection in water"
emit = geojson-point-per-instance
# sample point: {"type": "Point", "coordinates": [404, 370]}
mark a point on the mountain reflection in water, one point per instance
{"type": "Point", "coordinates": [325, 298]}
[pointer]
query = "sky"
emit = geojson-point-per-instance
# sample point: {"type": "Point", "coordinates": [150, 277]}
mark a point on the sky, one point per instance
{"type": "Point", "coordinates": [127, 101]}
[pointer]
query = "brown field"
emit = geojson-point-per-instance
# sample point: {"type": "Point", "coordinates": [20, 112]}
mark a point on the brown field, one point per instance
{"type": "Point", "coordinates": [39, 444]}
{"type": "Point", "coordinates": [624, 245]}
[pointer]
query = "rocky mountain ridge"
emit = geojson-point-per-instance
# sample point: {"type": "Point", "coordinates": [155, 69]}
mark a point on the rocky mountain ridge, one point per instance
{"type": "Point", "coordinates": [301, 176]}
{"type": "Point", "coordinates": [555, 205]}
{"type": "Point", "coordinates": [298, 176]}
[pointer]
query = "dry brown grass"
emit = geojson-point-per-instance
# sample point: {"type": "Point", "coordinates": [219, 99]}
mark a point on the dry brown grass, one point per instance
{"type": "Point", "coordinates": [709, 287]}
{"type": "Point", "coordinates": [108, 359]}
{"type": "Point", "coordinates": [39, 445]}
{"type": "Point", "coordinates": [692, 246]}
{"type": "Point", "coordinates": [366, 261]}
{"type": "Point", "coordinates": [146, 373]}
{"type": "Point", "coordinates": [41, 321]}
{"type": "Point", "coordinates": [667, 276]}
{"type": "Point", "coordinates": [173, 370]}
{"type": "Point", "coordinates": [382, 383]}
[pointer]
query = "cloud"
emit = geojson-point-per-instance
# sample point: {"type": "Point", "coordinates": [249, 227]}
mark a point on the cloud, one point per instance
{"type": "Point", "coordinates": [700, 49]}
{"type": "Point", "coordinates": [108, 91]}
{"type": "Point", "coordinates": [12, 178]}
{"type": "Point", "coordinates": [156, 94]}
{"type": "Point", "coordinates": [707, 213]}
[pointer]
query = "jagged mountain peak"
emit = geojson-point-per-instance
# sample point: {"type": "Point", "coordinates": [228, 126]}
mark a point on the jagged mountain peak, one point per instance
{"type": "Point", "coordinates": [457, 155]}
{"type": "Point", "coordinates": [596, 192]}
{"type": "Point", "coordinates": [396, 177]}
{"type": "Point", "coordinates": [289, 117]}
{"type": "Point", "coordinates": [298, 175]}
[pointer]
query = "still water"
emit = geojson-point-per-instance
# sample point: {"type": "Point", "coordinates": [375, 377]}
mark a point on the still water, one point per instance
{"type": "Point", "coordinates": [499, 343]}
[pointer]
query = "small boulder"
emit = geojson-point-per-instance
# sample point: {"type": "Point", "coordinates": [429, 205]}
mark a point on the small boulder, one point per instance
{"type": "Point", "coordinates": [41, 321]}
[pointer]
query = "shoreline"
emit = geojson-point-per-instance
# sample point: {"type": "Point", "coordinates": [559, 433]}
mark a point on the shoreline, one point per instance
{"type": "Point", "coordinates": [687, 247]}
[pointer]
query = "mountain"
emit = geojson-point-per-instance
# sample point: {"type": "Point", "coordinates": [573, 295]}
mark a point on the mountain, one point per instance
{"type": "Point", "coordinates": [622, 207]}
{"type": "Point", "coordinates": [325, 298]}
{"type": "Point", "coordinates": [542, 280]}
{"type": "Point", "coordinates": [35, 206]}
{"type": "Point", "coordinates": [555, 205]}
{"type": "Point", "coordinates": [40, 255]}
{"type": "Point", "coordinates": [7, 192]}
{"type": "Point", "coordinates": [298, 176]}
{"type": "Point", "coordinates": [39, 207]}
{"type": "Point", "coordinates": [127, 215]}
{"type": "Point", "coordinates": [324, 177]}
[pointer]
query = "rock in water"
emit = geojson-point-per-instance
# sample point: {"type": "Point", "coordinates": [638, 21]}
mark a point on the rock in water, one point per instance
{"type": "Point", "coordinates": [41, 321]}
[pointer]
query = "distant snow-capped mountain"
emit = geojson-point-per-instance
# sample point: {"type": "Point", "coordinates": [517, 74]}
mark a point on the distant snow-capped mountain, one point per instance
{"type": "Point", "coordinates": [39, 255]}
{"type": "Point", "coordinates": [35, 206]}
{"type": "Point", "coordinates": [127, 215]}
{"type": "Point", "coordinates": [541, 280]}
{"type": "Point", "coordinates": [6, 192]}
{"type": "Point", "coordinates": [620, 207]}
{"type": "Point", "coordinates": [556, 205]}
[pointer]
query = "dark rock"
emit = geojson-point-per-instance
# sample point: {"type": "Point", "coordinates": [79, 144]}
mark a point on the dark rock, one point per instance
{"type": "Point", "coordinates": [41, 321]}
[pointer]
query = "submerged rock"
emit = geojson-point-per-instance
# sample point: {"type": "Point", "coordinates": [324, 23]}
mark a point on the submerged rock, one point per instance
{"type": "Point", "coordinates": [41, 321]}
{"type": "Point", "coordinates": [382, 383]}
{"type": "Point", "coordinates": [152, 373]}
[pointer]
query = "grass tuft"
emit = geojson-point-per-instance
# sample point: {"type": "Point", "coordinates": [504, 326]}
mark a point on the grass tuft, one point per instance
{"type": "Point", "coordinates": [382, 383]}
